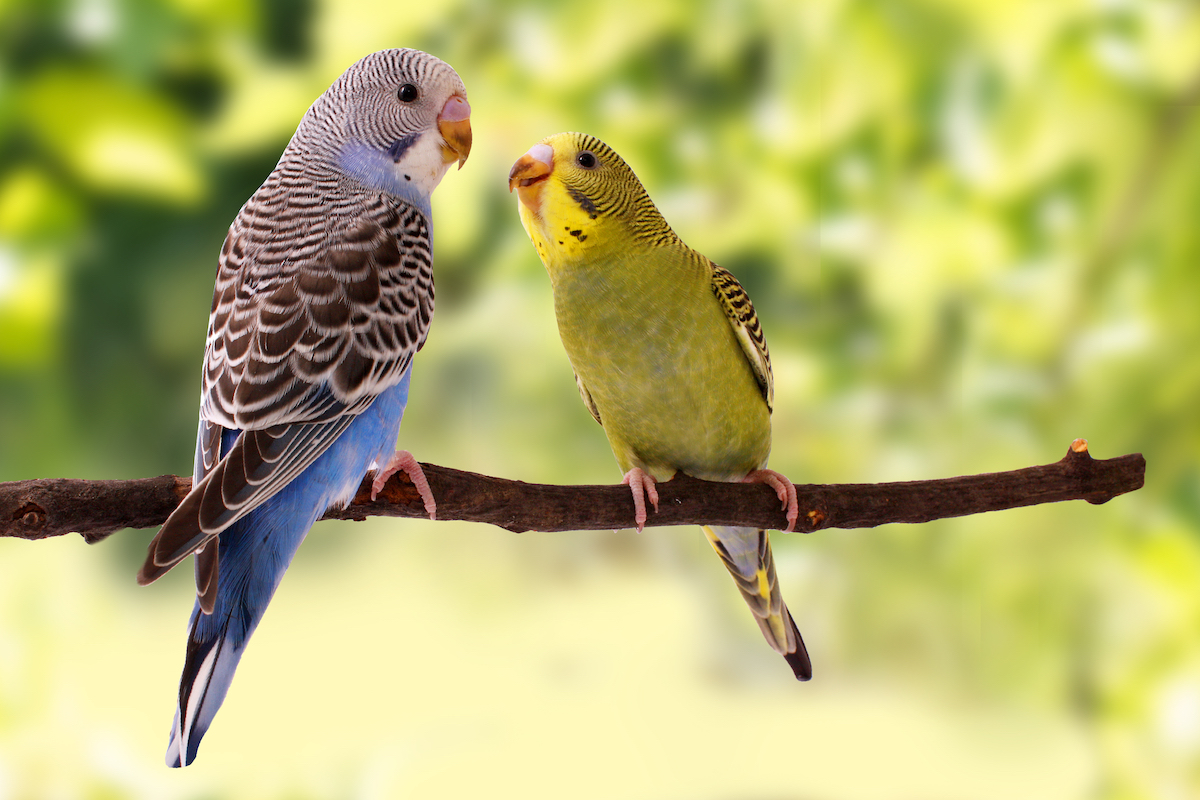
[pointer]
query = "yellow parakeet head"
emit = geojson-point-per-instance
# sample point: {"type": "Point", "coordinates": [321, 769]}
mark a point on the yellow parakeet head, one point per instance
{"type": "Point", "coordinates": [576, 194]}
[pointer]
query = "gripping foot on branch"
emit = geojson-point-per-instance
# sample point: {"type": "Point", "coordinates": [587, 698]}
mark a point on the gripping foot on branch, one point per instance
{"type": "Point", "coordinates": [784, 488]}
{"type": "Point", "coordinates": [403, 461]}
{"type": "Point", "coordinates": [642, 486]}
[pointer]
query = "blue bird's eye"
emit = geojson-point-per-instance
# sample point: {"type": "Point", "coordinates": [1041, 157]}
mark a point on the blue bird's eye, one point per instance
{"type": "Point", "coordinates": [407, 93]}
{"type": "Point", "coordinates": [586, 159]}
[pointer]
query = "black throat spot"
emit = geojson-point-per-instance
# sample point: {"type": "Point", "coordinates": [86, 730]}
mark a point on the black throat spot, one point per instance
{"type": "Point", "coordinates": [401, 145]}
{"type": "Point", "coordinates": [584, 202]}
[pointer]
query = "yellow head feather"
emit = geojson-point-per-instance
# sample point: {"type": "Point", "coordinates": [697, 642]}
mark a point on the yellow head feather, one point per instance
{"type": "Point", "coordinates": [571, 187]}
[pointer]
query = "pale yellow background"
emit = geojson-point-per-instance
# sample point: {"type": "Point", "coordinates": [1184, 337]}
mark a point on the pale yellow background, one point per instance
{"type": "Point", "coordinates": [970, 231]}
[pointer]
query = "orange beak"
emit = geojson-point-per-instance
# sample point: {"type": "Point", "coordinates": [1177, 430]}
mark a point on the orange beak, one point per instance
{"type": "Point", "coordinates": [529, 172]}
{"type": "Point", "coordinates": [454, 123]}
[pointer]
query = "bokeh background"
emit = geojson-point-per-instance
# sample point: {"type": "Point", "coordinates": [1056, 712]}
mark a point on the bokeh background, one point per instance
{"type": "Point", "coordinates": [971, 232]}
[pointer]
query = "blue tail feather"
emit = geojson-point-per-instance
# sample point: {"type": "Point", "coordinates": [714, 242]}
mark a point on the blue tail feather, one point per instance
{"type": "Point", "coordinates": [255, 552]}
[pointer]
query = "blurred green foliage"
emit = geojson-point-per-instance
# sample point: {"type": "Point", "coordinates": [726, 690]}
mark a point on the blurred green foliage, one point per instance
{"type": "Point", "coordinates": [969, 231]}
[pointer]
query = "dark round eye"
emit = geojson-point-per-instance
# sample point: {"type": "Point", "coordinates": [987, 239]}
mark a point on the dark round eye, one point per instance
{"type": "Point", "coordinates": [407, 93]}
{"type": "Point", "coordinates": [586, 159]}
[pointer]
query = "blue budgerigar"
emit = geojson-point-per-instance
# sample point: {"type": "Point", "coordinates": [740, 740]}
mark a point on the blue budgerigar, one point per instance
{"type": "Point", "coordinates": [324, 292]}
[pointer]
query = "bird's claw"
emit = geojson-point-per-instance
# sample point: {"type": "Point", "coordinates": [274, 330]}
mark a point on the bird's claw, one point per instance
{"type": "Point", "coordinates": [784, 488]}
{"type": "Point", "coordinates": [403, 461]}
{"type": "Point", "coordinates": [642, 487]}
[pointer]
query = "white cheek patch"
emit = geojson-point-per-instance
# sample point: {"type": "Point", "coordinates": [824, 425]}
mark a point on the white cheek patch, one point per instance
{"type": "Point", "coordinates": [422, 164]}
{"type": "Point", "coordinates": [413, 178]}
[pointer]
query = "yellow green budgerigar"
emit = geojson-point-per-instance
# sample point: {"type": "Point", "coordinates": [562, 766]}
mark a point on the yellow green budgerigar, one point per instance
{"type": "Point", "coordinates": [666, 347]}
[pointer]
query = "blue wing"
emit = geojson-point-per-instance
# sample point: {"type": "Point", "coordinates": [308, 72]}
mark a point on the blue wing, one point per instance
{"type": "Point", "coordinates": [300, 342]}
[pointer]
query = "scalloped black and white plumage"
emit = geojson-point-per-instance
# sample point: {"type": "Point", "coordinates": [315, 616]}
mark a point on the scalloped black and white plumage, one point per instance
{"type": "Point", "coordinates": [324, 292]}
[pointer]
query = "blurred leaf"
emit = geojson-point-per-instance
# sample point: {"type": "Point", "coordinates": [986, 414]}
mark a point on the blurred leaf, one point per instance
{"type": "Point", "coordinates": [33, 208]}
{"type": "Point", "coordinates": [114, 137]}
{"type": "Point", "coordinates": [30, 293]}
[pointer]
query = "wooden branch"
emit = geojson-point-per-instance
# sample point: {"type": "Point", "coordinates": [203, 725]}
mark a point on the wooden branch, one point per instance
{"type": "Point", "coordinates": [38, 509]}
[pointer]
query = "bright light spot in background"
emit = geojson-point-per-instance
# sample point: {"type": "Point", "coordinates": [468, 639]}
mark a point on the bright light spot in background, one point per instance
{"type": "Point", "coordinates": [619, 105]}
{"type": "Point", "coordinates": [854, 173]}
{"type": "Point", "coordinates": [531, 43]}
{"type": "Point", "coordinates": [92, 21]}
{"type": "Point", "coordinates": [1123, 338]}
{"type": "Point", "coordinates": [692, 146]}
{"type": "Point", "coordinates": [130, 159]}
{"type": "Point", "coordinates": [1118, 55]}
{"type": "Point", "coordinates": [1058, 214]}
{"type": "Point", "coordinates": [846, 235]}
{"type": "Point", "coordinates": [689, 206]}
{"type": "Point", "coordinates": [1178, 715]}
{"type": "Point", "coordinates": [8, 280]}
{"type": "Point", "coordinates": [1165, 15]}
{"type": "Point", "coordinates": [962, 126]}
{"type": "Point", "coordinates": [772, 120]}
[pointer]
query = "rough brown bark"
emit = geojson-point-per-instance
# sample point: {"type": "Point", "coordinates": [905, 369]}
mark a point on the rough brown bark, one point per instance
{"type": "Point", "coordinates": [38, 509]}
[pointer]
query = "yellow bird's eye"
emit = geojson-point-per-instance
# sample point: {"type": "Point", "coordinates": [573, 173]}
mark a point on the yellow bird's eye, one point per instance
{"type": "Point", "coordinates": [407, 93]}
{"type": "Point", "coordinates": [586, 159]}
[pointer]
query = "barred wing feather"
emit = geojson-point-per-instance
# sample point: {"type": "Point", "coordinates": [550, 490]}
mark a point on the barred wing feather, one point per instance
{"type": "Point", "coordinates": [311, 320]}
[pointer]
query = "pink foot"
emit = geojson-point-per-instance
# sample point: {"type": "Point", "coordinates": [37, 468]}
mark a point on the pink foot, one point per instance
{"type": "Point", "coordinates": [403, 461]}
{"type": "Point", "coordinates": [642, 486]}
{"type": "Point", "coordinates": [784, 488]}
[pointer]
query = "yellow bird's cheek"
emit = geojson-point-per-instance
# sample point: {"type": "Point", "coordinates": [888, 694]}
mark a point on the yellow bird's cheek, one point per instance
{"type": "Point", "coordinates": [534, 229]}
{"type": "Point", "coordinates": [564, 234]}
{"type": "Point", "coordinates": [572, 242]}
{"type": "Point", "coordinates": [557, 243]}
{"type": "Point", "coordinates": [528, 221]}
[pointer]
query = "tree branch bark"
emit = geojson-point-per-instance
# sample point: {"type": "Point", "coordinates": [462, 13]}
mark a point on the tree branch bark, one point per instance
{"type": "Point", "coordinates": [38, 509]}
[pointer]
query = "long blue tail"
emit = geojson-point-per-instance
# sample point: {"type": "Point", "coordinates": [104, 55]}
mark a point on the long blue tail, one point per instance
{"type": "Point", "coordinates": [255, 551]}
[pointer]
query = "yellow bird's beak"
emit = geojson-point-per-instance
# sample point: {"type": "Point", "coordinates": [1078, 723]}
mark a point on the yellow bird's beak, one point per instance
{"type": "Point", "coordinates": [454, 123]}
{"type": "Point", "coordinates": [529, 172]}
